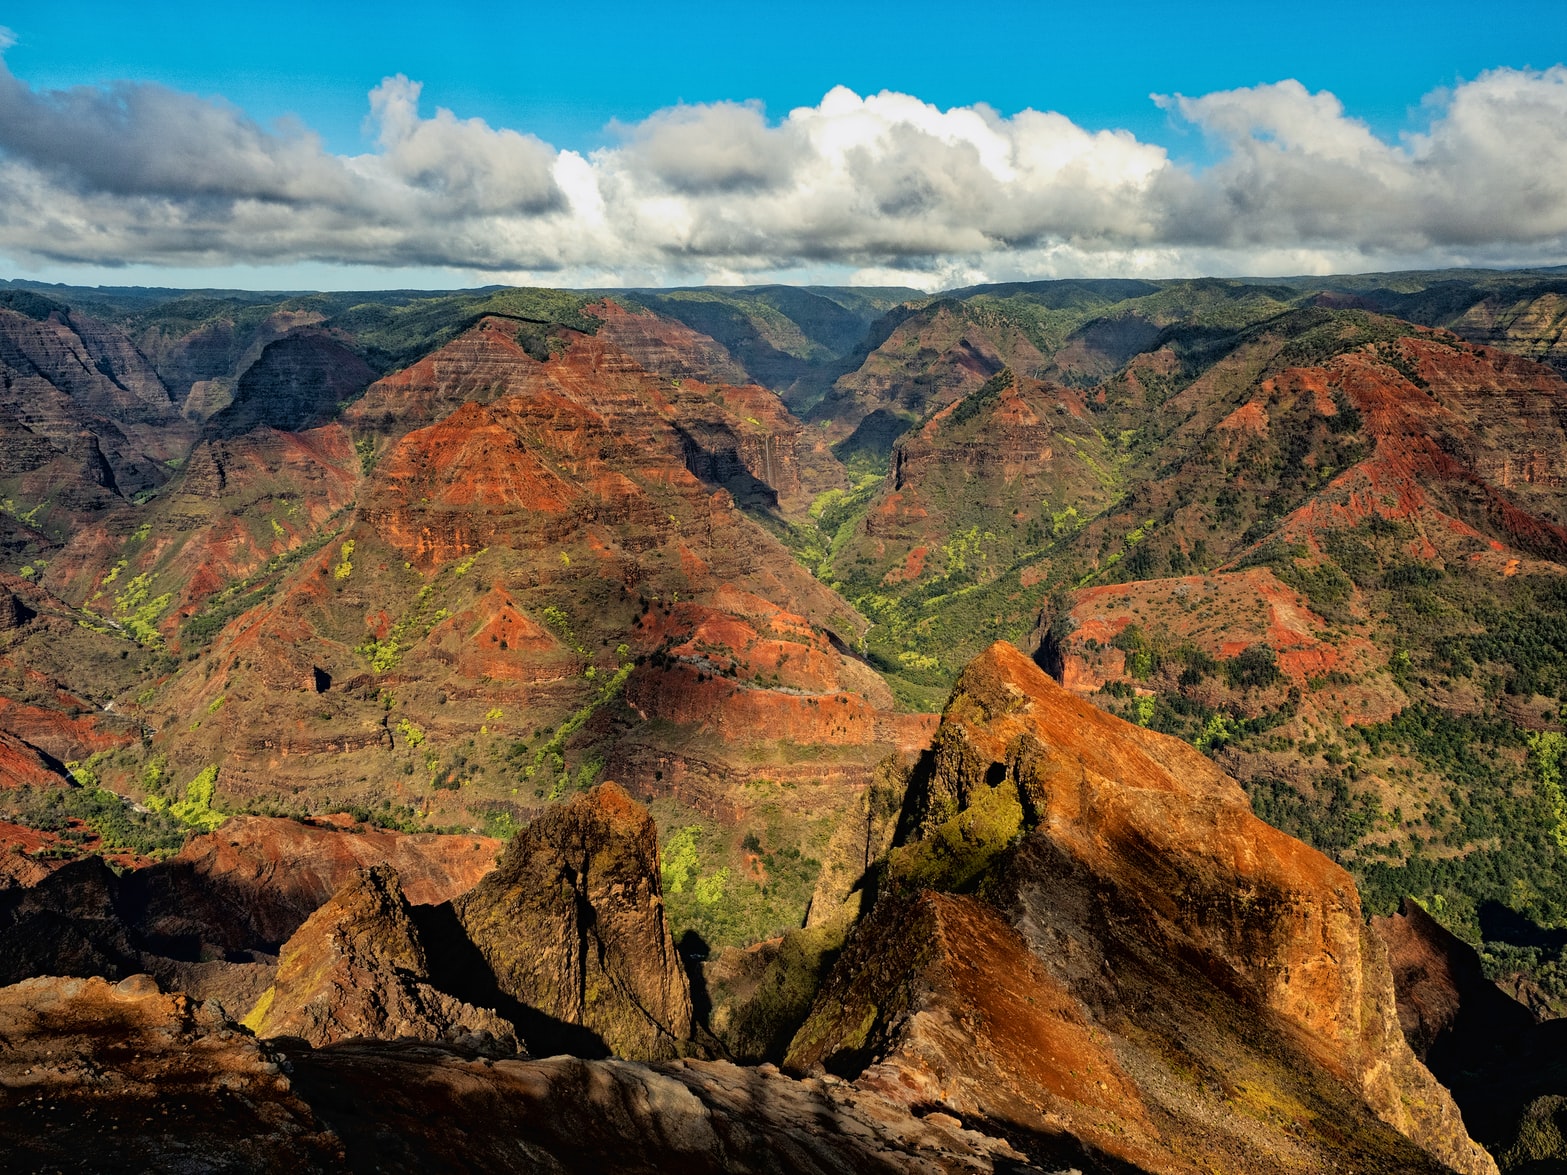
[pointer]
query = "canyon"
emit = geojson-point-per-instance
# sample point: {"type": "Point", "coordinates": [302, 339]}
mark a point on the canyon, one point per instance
{"type": "Point", "coordinates": [1052, 724]}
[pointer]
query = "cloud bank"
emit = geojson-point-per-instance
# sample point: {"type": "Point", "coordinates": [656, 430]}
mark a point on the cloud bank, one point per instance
{"type": "Point", "coordinates": [878, 188]}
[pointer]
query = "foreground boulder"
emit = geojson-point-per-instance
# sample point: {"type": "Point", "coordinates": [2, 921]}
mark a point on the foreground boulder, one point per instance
{"type": "Point", "coordinates": [571, 924]}
{"type": "Point", "coordinates": [103, 1076]}
{"type": "Point", "coordinates": [1150, 969]}
{"type": "Point", "coordinates": [97, 1077]}
{"type": "Point", "coordinates": [357, 969]}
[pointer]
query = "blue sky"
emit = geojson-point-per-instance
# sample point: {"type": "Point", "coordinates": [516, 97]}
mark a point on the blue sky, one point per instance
{"type": "Point", "coordinates": [565, 77]}
{"type": "Point", "coordinates": [585, 78]}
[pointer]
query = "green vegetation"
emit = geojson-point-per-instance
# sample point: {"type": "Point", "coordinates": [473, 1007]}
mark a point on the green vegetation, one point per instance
{"type": "Point", "coordinates": [238, 598]}
{"type": "Point", "coordinates": [954, 854]}
{"type": "Point", "coordinates": [549, 761]}
{"type": "Point", "coordinates": [559, 623]}
{"type": "Point", "coordinates": [137, 611]}
{"type": "Point", "coordinates": [979, 401]}
{"type": "Point", "coordinates": [196, 810]}
{"type": "Point", "coordinates": [87, 812]}
{"type": "Point", "coordinates": [413, 736]}
{"type": "Point", "coordinates": [101, 814]}
{"type": "Point", "coordinates": [28, 517]}
{"type": "Point", "coordinates": [730, 893]}
{"type": "Point", "coordinates": [1546, 750]}
{"type": "Point", "coordinates": [384, 653]}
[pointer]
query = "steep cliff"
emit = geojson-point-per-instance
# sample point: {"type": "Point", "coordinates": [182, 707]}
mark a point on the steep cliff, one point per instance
{"type": "Point", "coordinates": [1145, 966]}
{"type": "Point", "coordinates": [1505, 1067]}
{"type": "Point", "coordinates": [301, 381]}
{"type": "Point", "coordinates": [571, 923]}
{"type": "Point", "coordinates": [85, 412]}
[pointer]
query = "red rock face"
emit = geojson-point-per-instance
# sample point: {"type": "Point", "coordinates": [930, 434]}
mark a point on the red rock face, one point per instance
{"type": "Point", "coordinates": [25, 858]}
{"type": "Point", "coordinates": [1222, 615]}
{"type": "Point", "coordinates": [527, 454]}
{"type": "Point", "coordinates": [665, 347]}
{"type": "Point", "coordinates": [257, 878]}
{"type": "Point", "coordinates": [48, 662]}
{"type": "Point", "coordinates": [929, 360]}
{"type": "Point", "coordinates": [1476, 445]}
{"type": "Point", "coordinates": [1143, 900]}
{"type": "Point", "coordinates": [21, 765]}
{"type": "Point", "coordinates": [65, 737]}
{"type": "Point", "coordinates": [529, 530]}
{"type": "Point", "coordinates": [238, 503]}
{"type": "Point", "coordinates": [480, 365]}
{"type": "Point", "coordinates": [56, 389]}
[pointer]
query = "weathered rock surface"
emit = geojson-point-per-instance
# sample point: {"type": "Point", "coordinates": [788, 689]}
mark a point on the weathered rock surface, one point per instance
{"type": "Point", "coordinates": [988, 460]}
{"type": "Point", "coordinates": [357, 968]}
{"type": "Point", "coordinates": [571, 923]}
{"type": "Point", "coordinates": [75, 918]}
{"type": "Point", "coordinates": [1199, 989]}
{"type": "Point", "coordinates": [1506, 1070]}
{"type": "Point", "coordinates": [65, 923]}
{"type": "Point", "coordinates": [97, 1077]}
{"type": "Point", "coordinates": [928, 360]}
{"type": "Point", "coordinates": [1445, 1003]}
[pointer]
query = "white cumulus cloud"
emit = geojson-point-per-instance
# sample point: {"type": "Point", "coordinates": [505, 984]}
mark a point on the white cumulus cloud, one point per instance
{"type": "Point", "coordinates": [879, 187]}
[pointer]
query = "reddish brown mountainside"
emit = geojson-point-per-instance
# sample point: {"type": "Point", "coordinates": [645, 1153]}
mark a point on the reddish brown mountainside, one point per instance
{"type": "Point", "coordinates": [84, 415]}
{"type": "Point", "coordinates": [531, 545]}
{"type": "Point", "coordinates": [256, 880]}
